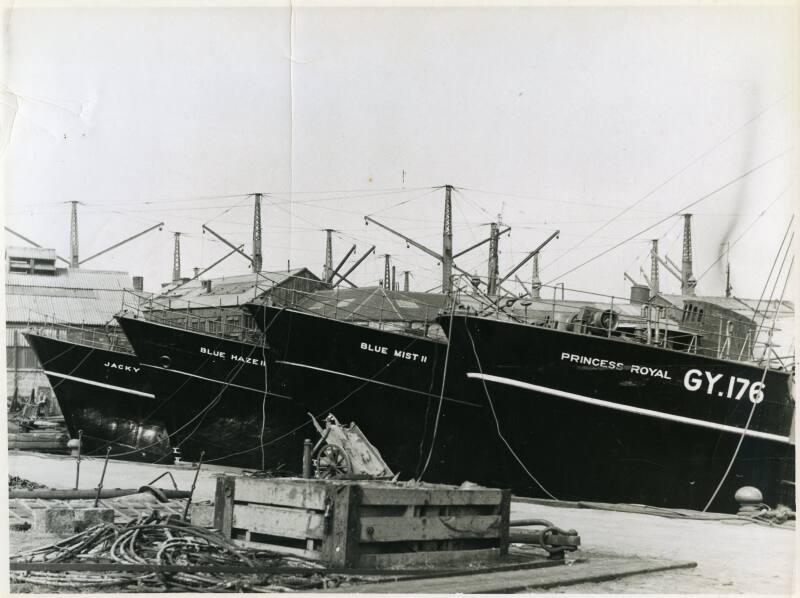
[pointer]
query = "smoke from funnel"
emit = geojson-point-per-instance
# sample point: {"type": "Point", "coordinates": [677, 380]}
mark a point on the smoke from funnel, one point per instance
{"type": "Point", "coordinates": [748, 148]}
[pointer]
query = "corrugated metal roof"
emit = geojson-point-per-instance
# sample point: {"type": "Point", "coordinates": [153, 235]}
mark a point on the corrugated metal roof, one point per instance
{"type": "Point", "coordinates": [68, 278]}
{"type": "Point", "coordinates": [375, 304]}
{"type": "Point", "coordinates": [95, 310]}
{"type": "Point", "coordinates": [229, 290]}
{"type": "Point", "coordinates": [72, 296]}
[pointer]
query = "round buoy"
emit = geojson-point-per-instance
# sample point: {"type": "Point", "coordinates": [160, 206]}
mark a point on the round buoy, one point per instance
{"type": "Point", "coordinates": [749, 499]}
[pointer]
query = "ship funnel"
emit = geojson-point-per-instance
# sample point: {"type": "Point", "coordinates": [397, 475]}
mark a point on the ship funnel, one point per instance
{"type": "Point", "coordinates": [640, 294]}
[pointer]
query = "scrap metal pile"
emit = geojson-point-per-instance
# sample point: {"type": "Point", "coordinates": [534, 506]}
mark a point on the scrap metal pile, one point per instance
{"type": "Point", "coordinates": [177, 557]}
{"type": "Point", "coordinates": [16, 483]}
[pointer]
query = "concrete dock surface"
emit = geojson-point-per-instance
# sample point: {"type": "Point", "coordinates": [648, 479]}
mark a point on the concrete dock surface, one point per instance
{"type": "Point", "coordinates": [731, 557]}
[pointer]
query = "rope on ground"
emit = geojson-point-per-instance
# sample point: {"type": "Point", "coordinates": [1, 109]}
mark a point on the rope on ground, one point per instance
{"type": "Point", "coordinates": [781, 516]}
{"type": "Point", "coordinates": [155, 539]}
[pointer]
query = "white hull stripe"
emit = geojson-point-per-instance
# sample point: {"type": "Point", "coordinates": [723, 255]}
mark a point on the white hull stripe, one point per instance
{"type": "Point", "coordinates": [638, 410]}
{"type": "Point", "coordinates": [215, 381]}
{"type": "Point", "coordinates": [371, 381]}
{"type": "Point", "coordinates": [138, 393]}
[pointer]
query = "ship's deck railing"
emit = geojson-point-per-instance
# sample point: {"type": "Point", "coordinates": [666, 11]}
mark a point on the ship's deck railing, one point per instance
{"type": "Point", "coordinates": [656, 325]}
{"type": "Point", "coordinates": [224, 321]}
{"type": "Point", "coordinates": [388, 317]}
{"type": "Point", "coordinates": [108, 337]}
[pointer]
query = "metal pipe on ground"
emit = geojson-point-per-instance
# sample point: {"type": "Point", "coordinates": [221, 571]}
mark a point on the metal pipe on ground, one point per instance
{"type": "Point", "coordinates": [60, 494]}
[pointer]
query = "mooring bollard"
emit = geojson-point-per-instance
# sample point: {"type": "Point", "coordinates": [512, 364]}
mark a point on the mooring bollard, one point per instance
{"type": "Point", "coordinates": [194, 483]}
{"type": "Point", "coordinates": [102, 477]}
{"type": "Point", "coordinates": [307, 458]}
{"type": "Point", "coordinates": [75, 449]}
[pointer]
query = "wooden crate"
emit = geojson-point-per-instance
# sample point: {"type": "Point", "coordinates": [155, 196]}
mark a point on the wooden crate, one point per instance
{"type": "Point", "coordinates": [364, 524]}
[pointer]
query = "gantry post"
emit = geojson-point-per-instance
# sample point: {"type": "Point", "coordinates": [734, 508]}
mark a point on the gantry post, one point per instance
{"type": "Point", "coordinates": [73, 236]}
{"type": "Point", "coordinates": [176, 259]}
{"type": "Point", "coordinates": [257, 256]}
{"type": "Point", "coordinates": [447, 242]}
{"type": "Point", "coordinates": [654, 277]}
{"type": "Point", "coordinates": [688, 282]}
{"type": "Point", "coordinates": [493, 258]}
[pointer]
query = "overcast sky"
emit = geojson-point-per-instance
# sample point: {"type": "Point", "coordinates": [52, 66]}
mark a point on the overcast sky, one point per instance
{"type": "Point", "coordinates": [547, 118]}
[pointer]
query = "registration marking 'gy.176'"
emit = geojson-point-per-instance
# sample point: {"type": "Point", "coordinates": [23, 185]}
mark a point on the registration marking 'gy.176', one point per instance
{"type": "Point", "coordinates": [734, 388]}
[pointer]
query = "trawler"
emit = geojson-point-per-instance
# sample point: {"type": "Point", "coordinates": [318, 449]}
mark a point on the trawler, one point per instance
{"type": "Point", "coordinates": [103, 393]}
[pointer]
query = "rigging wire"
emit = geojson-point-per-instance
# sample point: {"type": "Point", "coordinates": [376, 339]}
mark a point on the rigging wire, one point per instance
{"type": "Point", "coordinates": [428, 191]}
{"type": "Point", "coordinates": [753, 408]}
{"type": "Point", "coordinates": [772, 292]}
{"type": "Point", "coordinates": [496, 420]}
{"type": "Point", "coordinates": [441, 394]}
{"type": "Point", "coordinates": [745, 231]}
{"type": "Point", "coordinates": [766, 282]}
{"type": "Point", "coordinates": [676, 213]}
{"type": "Point", "coordinates": [675, 175]}
{"type": "Point", "coordinates": [244, 199]}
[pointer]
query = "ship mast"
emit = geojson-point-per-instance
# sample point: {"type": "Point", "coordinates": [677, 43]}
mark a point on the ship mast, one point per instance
{"type": "Point", "coordinates": [728, 288]}
{"type": "Point", "coordinates": [536, 282]}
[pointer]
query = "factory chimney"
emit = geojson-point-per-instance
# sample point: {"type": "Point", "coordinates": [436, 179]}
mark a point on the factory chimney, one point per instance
{"type": "Point", "coordinates": [688, 282]}
{"type": "Point", "coordinates": [138, 283]}
{"type": "Point", "coordinates": [405, 280]}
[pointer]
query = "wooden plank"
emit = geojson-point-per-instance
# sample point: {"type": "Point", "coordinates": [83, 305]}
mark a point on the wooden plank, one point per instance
{"type": "Point", "coordinates": [299, 493]}
{"type": "Point", "coordinates": [436, 527]}
{"type": "Point", "coordinates": [429, 496]}
{"type": "Point", "coordinates": [309, 554]}
{"type": "Point", "coordinates": [223, 504]}
{"type": "Point", "coordinates": [340, 547]}
{"type": "Point", "coordinates": [279, 521]}
{"type": "Point", "coordinates": [522, 580]}
{"type": "Point", "coordinates": [505, 518]}
{"type": "Point", "coordinates": [439, 558]}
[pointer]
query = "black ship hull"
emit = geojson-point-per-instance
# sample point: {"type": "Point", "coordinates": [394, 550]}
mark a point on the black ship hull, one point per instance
{"type": "Point", "coordinates": [104, 394]}
{"type": "Point", "coordinates": [216, 400]}
{"type": "Point", "coordinates": [608, 420]}
{"type": "Point", "coordinates": [389, 384]}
